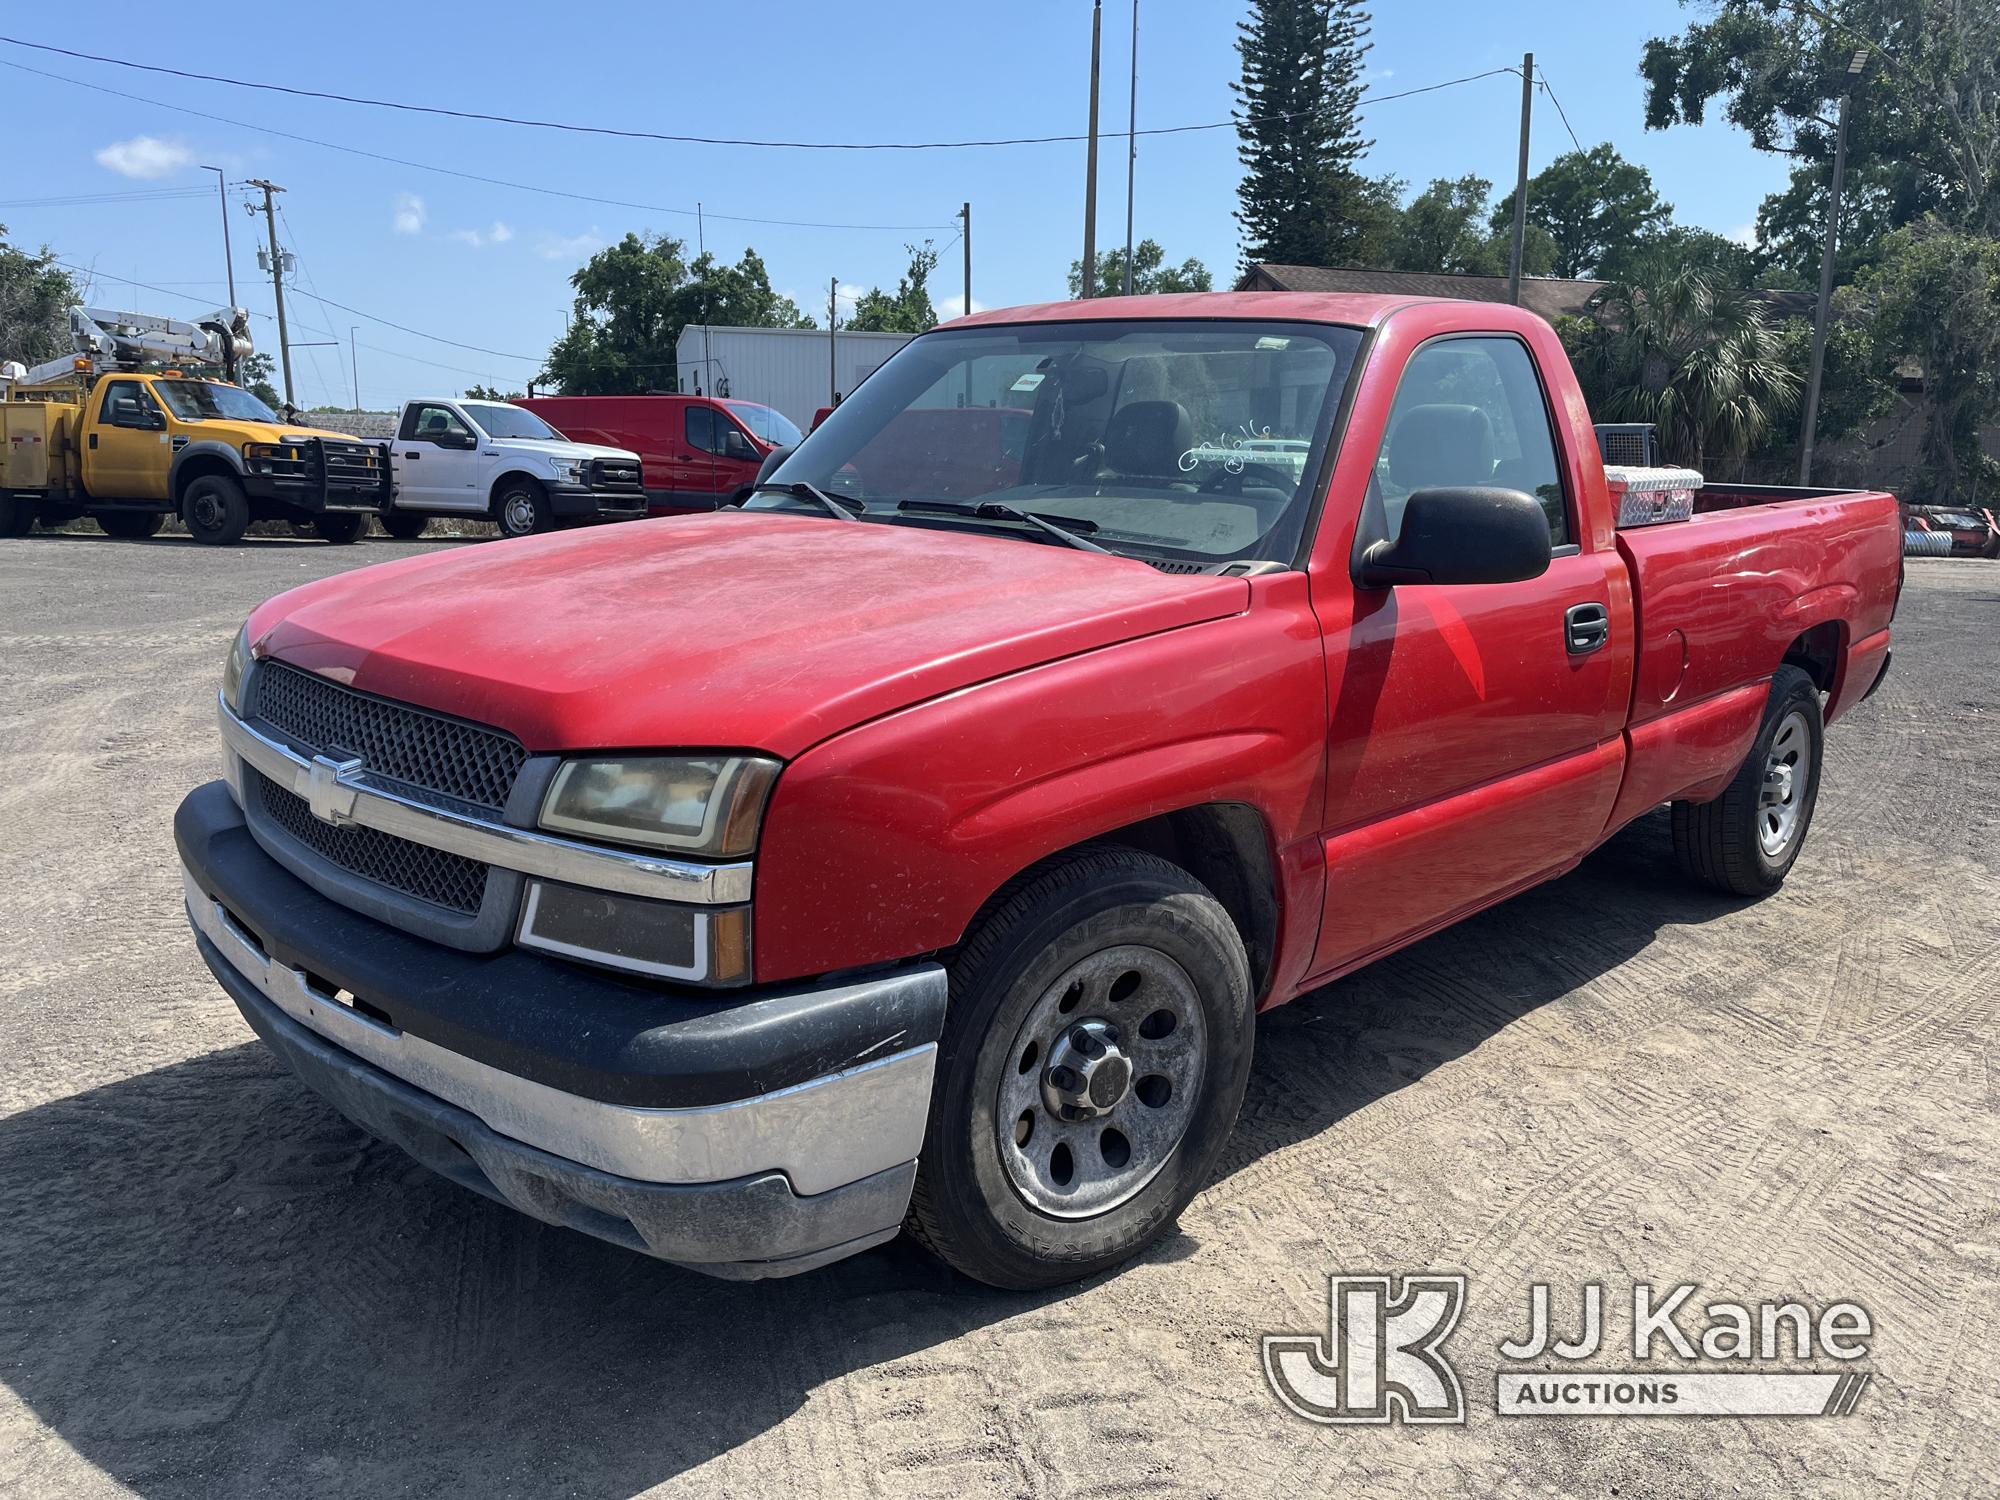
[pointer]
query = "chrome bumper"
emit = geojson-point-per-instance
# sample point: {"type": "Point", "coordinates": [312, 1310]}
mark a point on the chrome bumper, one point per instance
{"type": "Point", "coordinates": [821, 1135]}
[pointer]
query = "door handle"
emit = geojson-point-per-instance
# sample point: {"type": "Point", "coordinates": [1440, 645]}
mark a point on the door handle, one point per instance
{"type": "Point", "coordinates": [413, 455]}
{"type": "Point", "coordinates": [1586, 628]}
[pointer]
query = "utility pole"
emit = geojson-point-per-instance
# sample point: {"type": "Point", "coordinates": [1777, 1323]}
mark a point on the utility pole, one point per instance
{"type": "Point", "coordinates": [1090, 170]}
{"type": "Point", "coordinates": [353, 364]}
{"type": "Point", "coordinates": [1521, 182]}
{"type": "Point", "coordinates": [1132, 148]}
{"type": "Point", "coordinates": [832, 348]}
{"type": "Point", "coordinates": [1823, 310]}
{"type": "Point", "coordinates": [228, 257]}
{"type": "Point", "coordinates": [277, 279]}
{"type": "Point", "coordinates": [965, 213]}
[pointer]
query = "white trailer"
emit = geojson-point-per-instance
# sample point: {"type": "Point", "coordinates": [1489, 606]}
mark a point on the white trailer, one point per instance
{"type": "Point", "coordinates": [796, 370]}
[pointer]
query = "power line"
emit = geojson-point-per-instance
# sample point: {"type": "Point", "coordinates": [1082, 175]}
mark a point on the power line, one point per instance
{"type": "Point", "coordinates": [424, 166]}
{"type": "Point", "coordinates": [145, 195]}
{"type": "Point", "coordinates": [688, 140]}
{"type": "Point", "coordinates": [1549, 89]}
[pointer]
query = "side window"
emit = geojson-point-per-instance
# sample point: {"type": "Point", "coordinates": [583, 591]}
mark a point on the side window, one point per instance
{"type": "Point", "coordinates": [426, 424]}
{"type": "Point", "coordinates": [701, 433]}
{"type": "Point", "coordinates": [127, 404]}
{"type": "Point", "coordinates": [1470, 412]}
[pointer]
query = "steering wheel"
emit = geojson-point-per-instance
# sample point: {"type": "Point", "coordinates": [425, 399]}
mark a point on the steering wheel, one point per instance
{"type": "Point", "coordinates": [1231, 483]}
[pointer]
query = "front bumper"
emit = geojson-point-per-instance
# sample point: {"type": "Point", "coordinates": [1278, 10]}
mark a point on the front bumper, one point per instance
{"type": "Point", "coordinates": [755, 1135]}
{"type": "Point", "coordinates": [572, 500]}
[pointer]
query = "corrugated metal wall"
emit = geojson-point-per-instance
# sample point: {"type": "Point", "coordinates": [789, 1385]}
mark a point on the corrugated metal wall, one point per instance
{"type": "Point", "coordinates": [781, 367]}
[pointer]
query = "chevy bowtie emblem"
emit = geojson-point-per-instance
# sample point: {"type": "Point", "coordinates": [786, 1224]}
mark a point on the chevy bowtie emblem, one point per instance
{"type": "Point", "coordinates": [329, 796]}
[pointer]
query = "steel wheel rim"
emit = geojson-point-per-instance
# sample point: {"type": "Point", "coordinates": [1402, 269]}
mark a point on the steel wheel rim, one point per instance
{"type": "Point", "coordinates": [520, 512]}
{"type": "Point", "coordinates": [1781, 799]}
{"type": "Point", "coordinates": [207, 511]}
{"type": "Point", "coordinates": [1142, 1011]}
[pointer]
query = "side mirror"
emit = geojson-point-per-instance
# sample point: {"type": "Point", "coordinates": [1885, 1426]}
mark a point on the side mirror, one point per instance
{"type": "Point", "coordinates": [152, 418]}
{"type": "Point", "coordinates": [736, 445]}
{"type": "Point", "coordinates": [771, 461]}
{"type": "Point", "coordinates": [1462, 535]}
{"type": "Point", "coordinates": [461, 440]}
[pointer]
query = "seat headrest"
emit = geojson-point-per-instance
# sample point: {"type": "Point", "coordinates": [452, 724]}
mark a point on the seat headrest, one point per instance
{"type": "Point", "coordinates": [1441, 444]}
{"type": "Point", "coordinates": [1147, 437]}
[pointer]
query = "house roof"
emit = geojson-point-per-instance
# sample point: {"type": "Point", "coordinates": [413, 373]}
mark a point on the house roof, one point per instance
{"type": "Point", "coordinates": [1548, 296]}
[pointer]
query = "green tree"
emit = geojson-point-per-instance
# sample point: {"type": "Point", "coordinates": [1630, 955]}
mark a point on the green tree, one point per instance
{"type": "Point", "coordinates": [492, 393]}
{"type": "Point", "coordinates": [906, 310]}
{"type": "Point", "coordinates": [1935, 297]}
{"type": "Point", "coordinates": [634, 298]}
{"type": "Point", "coordinates": [1444, 229]}
{"type": "Point", "coordinates": [1653, 255]}
{"type": "Point", "coordinates": [253, 373]}
{"type": "Point", "coordinates": [1700, 362]}
{"type": "Point", "coordinates": [1592, 203]}
{"type": "Point", "coordinates": [1150, 273]}
{"type": "Point", "coordinates": [35, 298]}
{"type": "Point", "coordinates": [1304, 199]}
{"type": "Point", "coordinates": [1924, 124]}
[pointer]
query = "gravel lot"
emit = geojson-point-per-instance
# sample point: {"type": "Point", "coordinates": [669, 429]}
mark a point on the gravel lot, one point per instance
{"type": "Point", "coordinates": [210, 1284]}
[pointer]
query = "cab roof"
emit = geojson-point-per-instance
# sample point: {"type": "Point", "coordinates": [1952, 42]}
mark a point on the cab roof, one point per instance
{"type": "Point", "coordinates": [1354, 309]}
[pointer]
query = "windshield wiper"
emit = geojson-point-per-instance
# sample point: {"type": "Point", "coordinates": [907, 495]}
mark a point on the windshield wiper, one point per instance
{"type": "Point", "coordinates": [1066, 529]}
{"type": "Point", "coordinates": [798, 489]}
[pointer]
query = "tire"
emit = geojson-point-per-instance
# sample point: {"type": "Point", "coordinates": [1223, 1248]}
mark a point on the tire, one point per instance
{"type": "Point", "coordinates": [1746, 841]}
{"type": "Point", "coordinates": [404, 526]}
{"type": "Point", "coordinates": [521, 508]}
{"type": "Point", "coordinates": [1104, 941]}
{"type": "Point", "coordinates": [130, 526]}
{"type": "Point", "coordinates": [216, 510]}
{"type": "Point", "coordinates": [340, 527]}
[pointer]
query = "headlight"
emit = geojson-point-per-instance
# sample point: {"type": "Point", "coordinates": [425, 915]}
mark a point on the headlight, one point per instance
{"type": "Point", "coordinates": [563, 468]}
{"type": "Point", "coordinates": [270, 451]}
{"type": "Point", "coordinates": [697, 804]}
{"type": "Point", "coordinates": [235, 669]}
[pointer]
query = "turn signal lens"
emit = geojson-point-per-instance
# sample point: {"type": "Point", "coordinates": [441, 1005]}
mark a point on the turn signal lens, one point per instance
{"type": "Point", "coordinates": [708, 805]}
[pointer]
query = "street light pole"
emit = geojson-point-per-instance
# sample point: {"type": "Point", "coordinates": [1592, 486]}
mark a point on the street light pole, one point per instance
{"type": "Point", "coordinates": [1132, 147]}
{"type": "Point", "coordinates": [1521, 183]}
{"type": "Point", "coordinates": [1810, 421]}
{"type": "Point", "coordinates": [1090, 169]}
{"type": "Point", "coordinates": [352, 366]}
{"type": "Point", "coordinates": [228, 256]}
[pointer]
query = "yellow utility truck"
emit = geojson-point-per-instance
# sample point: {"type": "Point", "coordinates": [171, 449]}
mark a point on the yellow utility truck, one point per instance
{"type": "Point", "coordinates": [127, 431]}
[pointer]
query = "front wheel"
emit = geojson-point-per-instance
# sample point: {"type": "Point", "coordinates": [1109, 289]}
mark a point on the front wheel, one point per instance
{"type": "Point", "coordinates": [1746, 841]}
{"type": "Point", "coordinates": [339, 527]}
{"type": "Point", "coordinates": [216, 510]}
{"type": "Point", "coordinates": [522, 508]}
{"type": "Point", "coordinates": [404, 526]}
{"type": "Point", "coordinates": [1095, 1054]}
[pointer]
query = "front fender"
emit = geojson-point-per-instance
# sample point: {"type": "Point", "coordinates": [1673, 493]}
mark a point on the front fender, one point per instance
{"type": "Point", "coordinates": [204, 449]}
{"type": "Point", "coordinates": [885, 841]}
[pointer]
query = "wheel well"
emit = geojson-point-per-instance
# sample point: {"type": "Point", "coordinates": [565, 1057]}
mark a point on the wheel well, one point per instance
{"type": "Point", "coordinates": [493, 495]}
{"type": "Point", "coordinates": [1226, 846]}
{"type": "Point", "coordinates": [199, 468]}
{"type": "Point", "coordinates": [1817, 654]}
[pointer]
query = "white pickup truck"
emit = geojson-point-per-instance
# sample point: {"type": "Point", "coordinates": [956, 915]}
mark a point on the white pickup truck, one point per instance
{"type": "Point", "coordinates": [502, 463]}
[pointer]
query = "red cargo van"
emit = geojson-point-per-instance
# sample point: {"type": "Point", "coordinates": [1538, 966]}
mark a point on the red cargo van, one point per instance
{"type": "Point", "coordinates": [697, 452]}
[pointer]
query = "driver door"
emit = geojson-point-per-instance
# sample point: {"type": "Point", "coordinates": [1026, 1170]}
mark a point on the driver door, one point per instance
{"type": "Point", "coordinates": [130, 450]}
{"type": "Point", "coordinates": [438, 464]}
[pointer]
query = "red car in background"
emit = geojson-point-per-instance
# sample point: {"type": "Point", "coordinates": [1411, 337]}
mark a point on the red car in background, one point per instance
{"type": "Point", "coordinates": [699, 453]}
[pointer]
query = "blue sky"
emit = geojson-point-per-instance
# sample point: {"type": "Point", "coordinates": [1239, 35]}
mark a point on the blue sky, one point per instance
{"type": "Point", "coordinates": [487, 266]}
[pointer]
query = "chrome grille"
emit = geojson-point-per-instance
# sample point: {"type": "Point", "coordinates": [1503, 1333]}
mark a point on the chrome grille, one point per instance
{"type": "Point", "coordinates": [612, 474]}
{"type": "Point", "coordinates": [465, 762]}
{"type": "Point", "coordinates": [448, 880]}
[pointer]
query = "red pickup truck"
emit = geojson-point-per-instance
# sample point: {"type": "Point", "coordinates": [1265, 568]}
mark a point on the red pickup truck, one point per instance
{"type": "Point", "coordinates": [743, 888]}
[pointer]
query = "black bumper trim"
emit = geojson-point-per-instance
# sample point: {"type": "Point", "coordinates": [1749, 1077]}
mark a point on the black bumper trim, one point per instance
{"type": "Point", "coordinates": [745, 1229]}
{"type": "Point", "coordinates": [580, 1030]}
{"type": "Point", "coordinates": [612, 505]}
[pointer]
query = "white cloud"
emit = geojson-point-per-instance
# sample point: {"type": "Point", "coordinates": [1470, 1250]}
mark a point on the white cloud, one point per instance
{"type": "Point", "coordinates": [951, 305]}
{"type": "Point", "coordinates": [569, 246]}
{"type": "Point", "coordinates": [495, 233]}
{"type": "Point", "coordinates": [144, 156]}
{"type": "Point", "coordinates": [1745, 235]}
{"type": "Point", "coordinates": [409, 214]}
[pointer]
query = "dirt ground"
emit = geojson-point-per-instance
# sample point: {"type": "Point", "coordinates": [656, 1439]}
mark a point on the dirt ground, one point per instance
{"type": "Point", "coordinates": [211, 1285]}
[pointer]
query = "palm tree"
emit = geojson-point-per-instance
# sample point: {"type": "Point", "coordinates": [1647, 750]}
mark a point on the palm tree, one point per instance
{"type": "Point", "coordinates": [1697, 360]}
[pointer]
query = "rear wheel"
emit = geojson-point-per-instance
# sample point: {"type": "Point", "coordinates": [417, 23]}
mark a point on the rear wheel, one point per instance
{"type": "Point", "coordinates": [340, 527]}
{"type": "Point", "coordinates": [17, 517]}
{"type": "Point", "coordinates": [1095, 1053]}
{"type": "Point", "coordinates": [1747, 840]}
{"type": "Point", "coordinates": [130, 526]}
{"type": "Point", "coordinates": [216, 510]}
{"type": "Point", "coordinates": [522, 508]}
{"type": "Point", "coordinates": [404, 526]}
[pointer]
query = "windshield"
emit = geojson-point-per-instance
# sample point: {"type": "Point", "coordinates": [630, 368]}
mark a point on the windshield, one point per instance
{"type": "Point", "coordinates": [503, 421]}
{"type": "Point", "coordinates": [774, 427]}
{"type": "Point", "coordinates": [1188, 439]}
{"type": "Point", "coordinates": [203, 400]}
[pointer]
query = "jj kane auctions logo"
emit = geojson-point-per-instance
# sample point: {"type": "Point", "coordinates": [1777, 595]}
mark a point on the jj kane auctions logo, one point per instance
{"type": "Point", "coordinates": [1382, 1356]}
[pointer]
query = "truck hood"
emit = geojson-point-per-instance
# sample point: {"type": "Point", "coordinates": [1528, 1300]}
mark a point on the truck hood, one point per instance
{"type": "Point", "coordinates": [755, 631]}
{"type": "Point", "coordinates": [555, 449]}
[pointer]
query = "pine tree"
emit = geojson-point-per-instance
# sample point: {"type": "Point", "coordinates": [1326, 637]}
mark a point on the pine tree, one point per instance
{"type": "Point", "coordinates": [1303, 198]}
